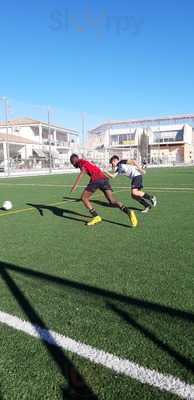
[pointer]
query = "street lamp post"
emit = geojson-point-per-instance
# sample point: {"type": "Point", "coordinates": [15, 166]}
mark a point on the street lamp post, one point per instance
{"type": "Point", "coordinates": [83, 120]}
{"type": "Point", "coordinates": [49, 137]}
{"type": "Point", "coordinates": [5, 103]}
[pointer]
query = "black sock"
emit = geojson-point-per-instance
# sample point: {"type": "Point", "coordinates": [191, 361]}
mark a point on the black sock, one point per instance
{"type": "Point", "coordinates": [142, 201]}
{"type": "Point", "coordinates": [93, 212]}
{"type": "Point", "coordinates": [148, 199]}
{"type": "Point", "coordinates": [125, 209]}
{"type": "Point", "coordinates": [147, 196]}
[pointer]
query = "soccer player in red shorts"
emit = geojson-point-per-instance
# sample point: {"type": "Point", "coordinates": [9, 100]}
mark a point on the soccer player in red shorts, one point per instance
{"type": "Point", "coordinates": [98, 180]}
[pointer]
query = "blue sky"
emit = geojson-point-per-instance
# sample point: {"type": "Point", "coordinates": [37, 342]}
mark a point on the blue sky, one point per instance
{"type": "Point", "coordinates": [109, 59]}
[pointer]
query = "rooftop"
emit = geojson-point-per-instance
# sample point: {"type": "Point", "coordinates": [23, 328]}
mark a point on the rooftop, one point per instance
{"type": "Point", "coordinates": [26, 121]}
{"type": "Point", "coordinates": [15, 139]}
{"type": "Point", "coordinates": [145, 121]}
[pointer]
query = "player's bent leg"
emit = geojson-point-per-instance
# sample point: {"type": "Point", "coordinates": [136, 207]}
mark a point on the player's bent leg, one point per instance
{"type": "Point", "coordinates": [86, 196]}
{"type": "Point", "coordinates": [112, 199]}
{"type": "Point", "coordinates": [131, 214]}
{"type": "Point", "coordinates": [139, 196]}
{"type": "Point", "coordinates": [110, 203]}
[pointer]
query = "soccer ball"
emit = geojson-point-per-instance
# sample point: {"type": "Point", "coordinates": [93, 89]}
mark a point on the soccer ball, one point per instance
{"type": "Point", "coordinates": [7, 205]}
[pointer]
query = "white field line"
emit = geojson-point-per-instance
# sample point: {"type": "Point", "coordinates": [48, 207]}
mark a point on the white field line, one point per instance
{"type": "Point", "coordinates": [22, 210]}
{"type": "Point", "coordinates": [157, 188]}
{"type": "Point", "coordinates": [80, 186]}
{"type": "Point", "coordinates": [171, 191]}
{"type": "Point", "coordinates": [171, 188]}
{"type": "Point", "coordinates": [128, 189]}
{"type": "Point", "coordinates": [163, 382]}
{"type": "Point", "coordinates": [36, 184]}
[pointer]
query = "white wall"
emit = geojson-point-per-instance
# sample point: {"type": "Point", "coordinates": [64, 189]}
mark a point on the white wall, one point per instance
{"type": "Point", "coordinates": [188, 134]}
{"type": "Point", "coordinates": [25, 132]}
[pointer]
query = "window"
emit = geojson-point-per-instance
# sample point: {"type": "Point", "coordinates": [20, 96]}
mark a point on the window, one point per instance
{"type": "Point", "coordinates": [168, 136]}
{"type": "Point", "coordinates": [128, 138]}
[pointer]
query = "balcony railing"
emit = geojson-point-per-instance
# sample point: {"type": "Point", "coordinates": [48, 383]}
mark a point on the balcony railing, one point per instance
{"type": "Point", "coordinates": [169, 139]}
{"type": "Point", "coordinates": [124, 143]}
{"type": "Point", "coordinates": [62, 144]}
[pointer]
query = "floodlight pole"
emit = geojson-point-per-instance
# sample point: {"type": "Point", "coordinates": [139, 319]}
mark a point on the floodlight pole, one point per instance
{"type": "Point", "coordinates": [5, 103]}
{"type": "Point", "coordinates": [83, 128]}
{"type": "Point", "coordinates": [49, 137]}
{"type": "Point", "coordinates": [159, 145]}
{"type": "Point", "coordinates": [7, 135]}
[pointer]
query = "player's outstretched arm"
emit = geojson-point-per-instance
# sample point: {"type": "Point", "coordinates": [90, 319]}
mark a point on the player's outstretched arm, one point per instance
{"type": "Point", "coordinates": [77, 181]}
{"type": "Point", "coordinates": [140, 169]}
{"type": "Point", "coordinates": [110, 174]}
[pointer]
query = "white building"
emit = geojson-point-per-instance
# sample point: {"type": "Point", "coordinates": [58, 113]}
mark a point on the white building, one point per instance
{"type": "Point", "coordinates": [166, 140]}
{"type": "Point", "coordinates": [36, 143]}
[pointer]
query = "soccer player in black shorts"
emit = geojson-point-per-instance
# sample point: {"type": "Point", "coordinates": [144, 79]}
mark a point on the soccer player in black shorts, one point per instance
{"type": "Point", "coordinates": [134, 172]}
{"type": "Point", "coordinates": [98, 180]}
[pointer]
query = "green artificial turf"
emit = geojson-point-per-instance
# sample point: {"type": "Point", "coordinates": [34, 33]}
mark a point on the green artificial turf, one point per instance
{"type": "Point", "coordinates": [122, 290]}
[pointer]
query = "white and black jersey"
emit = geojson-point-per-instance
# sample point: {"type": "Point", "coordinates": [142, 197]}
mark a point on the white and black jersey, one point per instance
{"type": "Point", "coordinates": [130, 170]}
{"type": "Point", "coordinates": [123, 168]}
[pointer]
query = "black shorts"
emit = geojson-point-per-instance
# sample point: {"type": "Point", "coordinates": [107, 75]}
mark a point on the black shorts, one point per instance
{"type": "Point", "coordinates": [102, 184]}
{"type": "Point", "coordinates": [137, 182]}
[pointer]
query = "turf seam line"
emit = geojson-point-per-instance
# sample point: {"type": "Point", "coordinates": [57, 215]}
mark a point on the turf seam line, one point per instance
{"type": "Point", "coordinates": [125, 367]}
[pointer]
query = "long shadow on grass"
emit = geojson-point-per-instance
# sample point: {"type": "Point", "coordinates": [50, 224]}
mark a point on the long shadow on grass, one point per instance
{"type": "Point", "coordinates": [104, 204]}
{"type": "Point", "coordinates": [188, 364]}
{"type": "Point", "coordinates": [101, 203]}
{"type": "Point", "coordinates": [131, 301]}
{"type": "Point", "coordinates": [107, 294]}
{"type": "Point", "coordinates": [77, 388]}
{"type": "Point", "coordinates": [61, 212]}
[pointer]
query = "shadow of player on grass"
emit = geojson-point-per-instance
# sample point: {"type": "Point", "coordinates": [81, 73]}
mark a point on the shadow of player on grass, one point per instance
{"type": "Point", "coordinates": [149, 334]}
{"type": "Point", "coordinates": [101, 203]}
{"type": "Point", "coordinates": [76, 387]}
{"type": "Point", "coordinates": [61, 212]}
{"type": "Point", "coordinates": [111, 300]}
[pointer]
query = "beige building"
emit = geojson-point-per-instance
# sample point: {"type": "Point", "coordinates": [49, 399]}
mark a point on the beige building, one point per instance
{"type": "Point", "coordinates": [166, 140]}
{"type": "Point", "coordinates": [35, 144]}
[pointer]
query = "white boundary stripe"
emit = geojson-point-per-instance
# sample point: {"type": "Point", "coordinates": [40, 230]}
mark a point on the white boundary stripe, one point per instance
{"type": "Point", "coordinates": [166, 383]}
{"type": "Point", "coordinates": [36, 184]}
{"type": "Point", "coordinates": [83, 186]}
{"type": "Point", "coordinates": [170, 188]}
{"type": "Point", "coordinates": [172, 191]}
